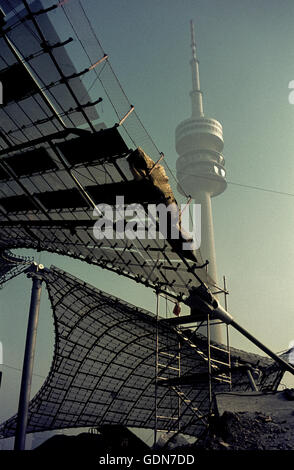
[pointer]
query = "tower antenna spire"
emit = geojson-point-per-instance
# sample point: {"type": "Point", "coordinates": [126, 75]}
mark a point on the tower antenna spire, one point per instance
{"type": "Point", "coordinates": [196, 93]}
{"type": "Point", "coordinates": [193, 41]}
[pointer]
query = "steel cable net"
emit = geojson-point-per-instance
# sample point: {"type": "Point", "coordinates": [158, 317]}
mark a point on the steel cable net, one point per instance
{"type": "Point", "coordinates": [39, 47]}
{"type": "Point", "coordinates": [54, 165]}
{"type": "Point", "coordinates": [104, 366]}
{"type": "Point", "coordinates": [78, 14]}
{"type": "Point", "coordinates": [11, 266]}
{"type": "Point", "coordinates": [103, 370]}
{"type": "Point", "coordinates": [48, 212]}
{"type": "Point", "coordinates": [83, 52]}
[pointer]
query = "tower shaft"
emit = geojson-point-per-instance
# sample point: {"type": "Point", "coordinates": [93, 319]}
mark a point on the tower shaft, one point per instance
{"type": "Point", "coordinates": [207, 239]}
{"type": "Point", "coordinates": [207, 250]}
{"type": "Point", "coordinates": [200, 168]}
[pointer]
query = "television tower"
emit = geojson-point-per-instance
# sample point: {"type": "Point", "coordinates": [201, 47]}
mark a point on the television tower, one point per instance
{"type": "Point", "coordinates": [200, 167]}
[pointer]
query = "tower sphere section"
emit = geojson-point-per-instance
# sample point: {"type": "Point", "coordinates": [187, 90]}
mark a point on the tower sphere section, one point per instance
{"type": "Point", "coordinates": [200, 166]}
{"type": "Point", "coordinates": [201, 132]}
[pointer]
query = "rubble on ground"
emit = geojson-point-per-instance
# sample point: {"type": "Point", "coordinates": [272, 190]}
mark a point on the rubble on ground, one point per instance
{"type": "Point", "coordinates": [269, 428]}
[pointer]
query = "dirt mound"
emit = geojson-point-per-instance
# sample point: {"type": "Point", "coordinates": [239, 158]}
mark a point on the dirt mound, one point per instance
{"type": "Point", "coordinates": [248, 431]}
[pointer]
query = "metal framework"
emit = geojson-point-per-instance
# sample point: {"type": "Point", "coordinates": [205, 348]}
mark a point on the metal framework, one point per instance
{"type": "Point", "coordinates": [104, 365]}
{"type": "Point", "coordinates": [56, 166]}
{"type": "Point", "coordinates": [12, 265]}
{"type": "Point", "coordinates": [52, 211]}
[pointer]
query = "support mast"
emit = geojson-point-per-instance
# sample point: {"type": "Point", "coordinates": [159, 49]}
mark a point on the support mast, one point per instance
{"type": "Point", "coordinates": [35, 273]}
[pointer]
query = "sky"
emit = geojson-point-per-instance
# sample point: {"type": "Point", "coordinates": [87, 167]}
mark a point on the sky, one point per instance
{"type": "Point", "coordinates": [246, 55]}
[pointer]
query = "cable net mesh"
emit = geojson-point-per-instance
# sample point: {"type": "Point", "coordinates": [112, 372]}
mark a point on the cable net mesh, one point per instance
{"type": "Point", "coordinates": [58, 160]}
{"type": "Point", "coordinates": [103, 369]}
{"type": "Point", "coordinates": [11, 266]}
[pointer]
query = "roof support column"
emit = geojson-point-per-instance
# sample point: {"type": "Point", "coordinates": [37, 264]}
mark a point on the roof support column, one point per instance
{"type": "Point", "coordinates": [28, 363]}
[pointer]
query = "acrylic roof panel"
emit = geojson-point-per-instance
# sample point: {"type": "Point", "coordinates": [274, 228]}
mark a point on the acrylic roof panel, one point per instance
{"type": "Point", "coordinates": [17, 83]}
{"type": "Point", "coordinates": [103, 145]}
{"type": "Point", "coordinates": [60, 47]}
{"type": "Point", "coordinates": [26, 163]}
{"type": "Point", "coordinates": [45, 79]}
{"type": "Point", "coordinates": [104, 364]}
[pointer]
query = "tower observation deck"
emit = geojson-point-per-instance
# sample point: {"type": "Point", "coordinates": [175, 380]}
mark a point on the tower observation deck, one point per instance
{"type": "Point", "coordinates": [200, 166]}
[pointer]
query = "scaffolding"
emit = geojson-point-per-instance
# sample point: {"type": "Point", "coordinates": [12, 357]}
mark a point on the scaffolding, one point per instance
{"type": "Point", "coordinates": [167, 363]}
{"type": "Point", "coordinates": [206, 310]}
{"type": "Point", "coordinates": [217, 375]}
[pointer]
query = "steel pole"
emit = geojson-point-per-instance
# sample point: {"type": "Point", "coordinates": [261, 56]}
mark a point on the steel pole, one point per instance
{"type": "Point", "coordinates": [27, 371]}
{"type": "Point", "coordinates": [284, 365]}
{"type": "Point", "coordinates": [156, 369]}
{"type": "Point", "coordinates": [223, 315]}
